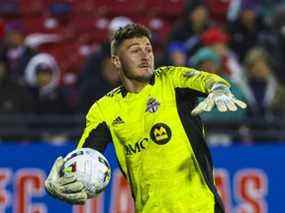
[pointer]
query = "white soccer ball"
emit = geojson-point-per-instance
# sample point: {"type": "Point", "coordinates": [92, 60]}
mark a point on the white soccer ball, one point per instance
{"type": "Point", "coordinates": [90, 167]}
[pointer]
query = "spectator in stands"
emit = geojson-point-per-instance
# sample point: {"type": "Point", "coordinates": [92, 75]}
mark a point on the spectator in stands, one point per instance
{"type": "Point", "coordinates": [97, 76]}
{"type": "Point", "coordinates": [14, 97]}
{"type": "Point", "coordinates": [193, 23]}
{"type": "Point", "coordinates": [117, 22]}
{"type": "Point", "coordinates": [97, 86]}
{"type": "Point", "coordinates": [218, 40]}
{"type": "Point", "coordinates": [17, 53]}
{"type": "Point", "coordinates": [267, 95]}
{"type": "Point", "coordinates": [248, 30]}
{"type": "Point", "coordinates": [42, 74]}
{"type": "Point", "coordinates": [15, 101]}
{"type": "Point", "coordinates": [176, 54]}
{"type": "Point", "coordinates": [208, 60]}
{"type": "Point", "coordinates": [218, 10]}
{"type": "Point", "coordinates": [277, 44]}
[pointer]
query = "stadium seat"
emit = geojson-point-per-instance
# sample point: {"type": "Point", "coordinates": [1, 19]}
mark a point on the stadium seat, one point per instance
{"type": "Point", "coordinates": [126, 7]}
{"type": "Point", "coordinates": [83, 7]}
{"type": "Point", "coordinates": [95, 27]}
{"type": "Point", "coordinates": [33, 24]}
{"type": "Point", "coordinates": [32, 7]}
{"type": "Point", "coordinates": [84, 23]}
{"type": "Point", "coordinates": [67, 55]}
{"type": "Point", "coordinates": [159, 27]}
{"type": "Point", "coordinates": [173, 8]}
{"type": "Point", "coordinates": [218, 9]}
{"type": "Point", "coordinates": [165, 8]}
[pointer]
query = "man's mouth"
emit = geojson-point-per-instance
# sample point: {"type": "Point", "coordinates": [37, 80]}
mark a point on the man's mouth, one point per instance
{"type": "Point", "coordinates": [144, 66]}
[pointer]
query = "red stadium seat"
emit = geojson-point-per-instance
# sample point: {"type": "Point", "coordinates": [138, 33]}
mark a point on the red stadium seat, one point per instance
{"type": "Point", "coordinates": [173, 8]}
{"type": "Point", "coordinates": [67, 55]}
{"type": "Point", "coordinates": [165, 8]}
{"type": "Point", "coordinates": [84, 23]}
{"type": "Point", "coordinates": [108, 7]}
{"type": "Point", "coordinates": [126, 7]}
{"type": "Point", "coordinates": [95, 28]}
{"type": "Point", "coordinates": [103, 7]}
{"type": "Point", "coordinates": [33, 24]}
{"type": "Point", "coordinates": [85, 7]}
{"type": "Point", "coordinates": [159, 27]}
{"type": "Point", "coordinates": [218, 9]}
{"type": "Point", "coordinates": [32, 7]}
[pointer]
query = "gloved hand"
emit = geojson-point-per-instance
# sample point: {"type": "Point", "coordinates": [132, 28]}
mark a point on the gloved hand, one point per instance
{"type": "Point", "coordinates": [222, 97]}
{"type": "Point", "coordinates": [65, 188]}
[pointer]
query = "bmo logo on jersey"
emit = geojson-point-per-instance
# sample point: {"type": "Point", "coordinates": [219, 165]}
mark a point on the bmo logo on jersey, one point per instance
{"type": "Point", "coordinates": [137, 147]}
{"type": "Point", "coordinates": [160, 133]}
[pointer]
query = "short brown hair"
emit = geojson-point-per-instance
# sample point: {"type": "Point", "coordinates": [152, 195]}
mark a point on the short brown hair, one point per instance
{"type": "Point", "coordinates": [127, 32]}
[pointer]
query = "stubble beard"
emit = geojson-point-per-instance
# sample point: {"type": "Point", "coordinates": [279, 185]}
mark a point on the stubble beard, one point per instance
{"type": "Point", "coordinates": [144, 79]}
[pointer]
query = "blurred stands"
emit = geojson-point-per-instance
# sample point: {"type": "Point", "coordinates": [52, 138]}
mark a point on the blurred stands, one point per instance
{"type": "Point", "coordinates": [19, 127]}
{"type": "Point", "coordinates": [75, 32]}
{"type": "Point", "coordinates": [86, 22]}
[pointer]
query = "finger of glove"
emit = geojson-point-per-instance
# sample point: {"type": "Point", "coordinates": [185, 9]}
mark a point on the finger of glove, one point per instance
{"type": "Point", "coordinates": [230, 105]}
{"type": "Point", "coordinates": [221, 105]}
{"type": "Point", "coordinates": [54, 173]}
{"type": "Point", "coordinates": [72, 187]}
{"type": "Point", "coordinates": [50, 187]}
{"type": "Point", "coordinates": [66, 180]}
{"type": "Point", "coordinates": [74, 198]}
{"type": "Point", "coordinates": [209, 104]}
{"type": "Point", "coordinates": [240, 103]}
{"type": "Point", "coordinates": [200, 108]}
{"type": "Point", "coordinates": [78, 202]}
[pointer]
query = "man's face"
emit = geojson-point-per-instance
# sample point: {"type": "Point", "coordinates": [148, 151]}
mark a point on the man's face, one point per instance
{"type": "Point", "coordinates": [199, 16]}
{"type": "Point", "coordinates": [260, 70]}
{"type": "Point", "coordinates": [135, 59]}
{"type": "Point", "coordinates": [44, 78]}
{"type": "Point", "coordinates": [178, 58]}
{"type": "Point", "coordinates": [209, 66]}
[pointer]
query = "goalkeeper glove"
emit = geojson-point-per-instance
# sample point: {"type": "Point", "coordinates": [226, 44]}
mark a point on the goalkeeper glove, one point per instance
{"type": "Point", "coordinates": [65, 188]}
{"type": "Point", "coordinates": [220, 96]}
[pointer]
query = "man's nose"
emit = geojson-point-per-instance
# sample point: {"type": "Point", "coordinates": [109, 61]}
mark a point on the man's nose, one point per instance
{"type": "Point", "coordinates": [144, 53]}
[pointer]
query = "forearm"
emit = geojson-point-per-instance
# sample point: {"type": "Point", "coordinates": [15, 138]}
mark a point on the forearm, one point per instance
{"type": "Point", "coordinates": [209, 82]}
{"type": "Point", "coordinates": [197, 80]}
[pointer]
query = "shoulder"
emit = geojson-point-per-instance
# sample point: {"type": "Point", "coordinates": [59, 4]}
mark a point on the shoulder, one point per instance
{"type": "Point", "coordinates": [105, 105]}
{"type": "Point", "coordinates": [169, 71]}
{"type": "Point", "coordinates": [108, 100]}
{"type": "Point", "coordinates": [165, 70]}
{"type": "Point", "coordinates": [113, 93]}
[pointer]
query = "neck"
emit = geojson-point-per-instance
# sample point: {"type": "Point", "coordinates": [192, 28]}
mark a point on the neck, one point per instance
{"type": "Point", "coordinates": [133, 85]}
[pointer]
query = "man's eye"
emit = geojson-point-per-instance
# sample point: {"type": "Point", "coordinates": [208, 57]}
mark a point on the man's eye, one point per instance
{"type": "Point", "coordinates": [135, 51]}
{"type": "Point", "coordinates": [149, 50]}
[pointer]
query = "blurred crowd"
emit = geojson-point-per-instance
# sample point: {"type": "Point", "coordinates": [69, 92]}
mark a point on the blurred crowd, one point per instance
{"type": "Point", "coordinates": [54, 68]}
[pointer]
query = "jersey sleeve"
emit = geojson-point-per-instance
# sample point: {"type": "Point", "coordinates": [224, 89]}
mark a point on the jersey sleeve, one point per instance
{"type": "Point", "coordinates": [184, 77]}
{"type": "Point", "coordinates": [96, 134]}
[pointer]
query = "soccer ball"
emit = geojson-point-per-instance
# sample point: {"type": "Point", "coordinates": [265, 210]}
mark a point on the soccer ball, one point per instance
{"type": "Point", "coordinates": [90, 167]}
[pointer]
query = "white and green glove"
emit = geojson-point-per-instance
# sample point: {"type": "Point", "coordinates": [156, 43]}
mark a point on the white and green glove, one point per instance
{"type": "Point", "coordinates": [65, 188]}
{"type": "Point", "coordinates": [221, 97]}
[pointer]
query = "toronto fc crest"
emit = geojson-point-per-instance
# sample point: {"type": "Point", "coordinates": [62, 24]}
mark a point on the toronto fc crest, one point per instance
{"type": "Point", "coordinates": [152, 105]}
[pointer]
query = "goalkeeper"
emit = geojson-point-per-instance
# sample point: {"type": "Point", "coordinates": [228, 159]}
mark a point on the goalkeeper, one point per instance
{"type": "Point", "coordinates": [155, 128]}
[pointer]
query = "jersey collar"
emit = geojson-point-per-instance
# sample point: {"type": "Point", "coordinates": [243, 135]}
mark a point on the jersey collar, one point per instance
{"type": "Point", "coordinates": [124, 91]}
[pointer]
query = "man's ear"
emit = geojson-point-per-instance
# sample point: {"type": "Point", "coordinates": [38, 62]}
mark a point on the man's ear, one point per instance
{"type": "Point", "coordinates": [116, 61]}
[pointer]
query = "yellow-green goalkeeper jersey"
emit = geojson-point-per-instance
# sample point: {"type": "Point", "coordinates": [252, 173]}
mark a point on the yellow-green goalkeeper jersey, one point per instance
{"type": "Point", "coordinates": [160, 147]}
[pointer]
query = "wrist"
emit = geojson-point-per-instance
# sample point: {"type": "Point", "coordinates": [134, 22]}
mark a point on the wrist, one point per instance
{"type": "Point", "coordinates": [220, 87]}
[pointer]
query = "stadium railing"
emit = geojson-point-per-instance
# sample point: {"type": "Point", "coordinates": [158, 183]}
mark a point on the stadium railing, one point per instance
{"type": "Point", "coordinates": [18, 127]}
